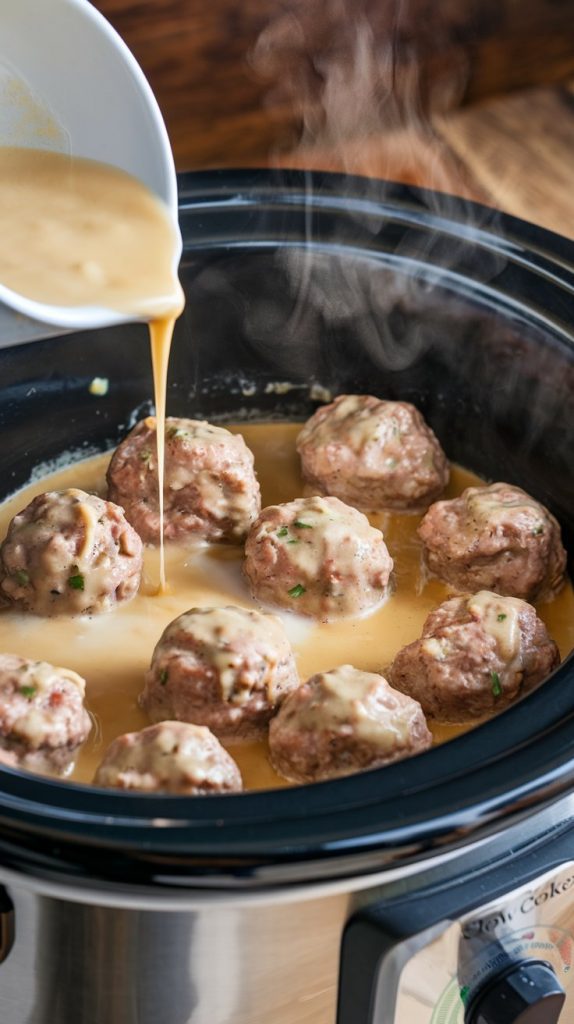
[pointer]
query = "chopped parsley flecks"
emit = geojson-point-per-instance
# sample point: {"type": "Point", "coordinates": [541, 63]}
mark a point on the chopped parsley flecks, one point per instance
{"type": "Point", "coordinates": [538, 530]}
{"type": "Point", "coordinates": [174, 432]}
{"type": "Point", "coordinates": [145, 456]}
{"type": "Point", "coordinates": [76, 581]}
{"type": "Point", "coordinates": [282, 532]}
{"type": "Point", "coordinates": [163, 676]}
{"type": "Point", "coordinates": [495, 683]}
{"type": "Point", "coordinates": [501, 617]}
{"type": "Point", "coordinates": [22, 577]}
{"type": "Point", "coordinates": [297, 591]}
{"type": "Point", "coordinates": [28, 692]}
{"type": "Point", "coordinates": [294, 540]}
{"type": "Point", "coordinates": [302, 526]}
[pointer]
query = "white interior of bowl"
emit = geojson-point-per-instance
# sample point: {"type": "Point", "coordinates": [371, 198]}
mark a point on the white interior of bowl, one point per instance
{"type": "Point", "coordinates": [69, 83]}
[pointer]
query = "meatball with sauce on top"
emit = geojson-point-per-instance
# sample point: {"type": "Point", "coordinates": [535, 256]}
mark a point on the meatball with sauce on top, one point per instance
{"type": "Point", "coordinates": [172, 757]}
{"type": "Point", "coordinates": [495, 538]}
{"type": "Point", "coordinates": [43, 721]}
{"type": "Point", "coordinates": [211, 491]}
{"type": "Point", "coordinates": [318, 557]}
{"type": "Point", "coordinates": [373, 454]}
{"type": "Point", "coordinates": [70, 553]}
{"type": "Point", "coordinates": [344, 721]}
{"type": "Point", "coordinates": [227, 668]}
{"type": "Point", "coordinates": [476, 656]}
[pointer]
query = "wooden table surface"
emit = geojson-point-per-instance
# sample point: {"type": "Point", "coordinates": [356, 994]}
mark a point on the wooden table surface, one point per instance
{"type": "Point", "coordinates": [313, 83]}
{"type": "Point", "coordinates": [514, 152]}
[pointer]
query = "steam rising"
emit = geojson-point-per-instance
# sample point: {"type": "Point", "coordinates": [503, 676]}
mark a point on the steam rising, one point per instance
{"type": "Point", "coordinates": [366, 81]}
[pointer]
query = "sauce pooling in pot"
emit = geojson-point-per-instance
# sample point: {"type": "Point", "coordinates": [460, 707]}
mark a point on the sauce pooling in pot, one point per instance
{"type": "Point", "coordinates": [74, 232]}
{"type": "Point", "coordinates": [112, 652]}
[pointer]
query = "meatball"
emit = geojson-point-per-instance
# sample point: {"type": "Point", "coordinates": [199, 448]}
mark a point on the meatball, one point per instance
{"type": "Point", "coordinates": [227, 668]}
{"type": "Point", "coordinates": [172, 757]}
{"type": "Point", "coordinates": [373, 454]}
{"type": "Point", "coordinates": [70, 553]}
{"type": "Point", "coordinates": [495, 538]}
{"type": "Point", "coordinates": [210, 488]}
{"type": "Point", "coordinates": [476, 656]}
{"type": "Point", "coordinates": [319, 557]}
{"type": "Point", "coordinates": [43, 720]}
{"type": "Point", "coordinates": [344, 721]}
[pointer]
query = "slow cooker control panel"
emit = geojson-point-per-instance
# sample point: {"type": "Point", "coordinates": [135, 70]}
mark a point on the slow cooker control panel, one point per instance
{"type": "Point", "coordinates": [527, 992]}
{"type": "Point", "coordinates": [508, 962]}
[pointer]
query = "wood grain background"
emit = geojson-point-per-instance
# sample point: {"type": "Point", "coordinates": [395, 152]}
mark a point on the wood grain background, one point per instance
{"type": "Point", "coordinates": [470, 96]}
{"type": "Point", "coordinates": [239, 79]}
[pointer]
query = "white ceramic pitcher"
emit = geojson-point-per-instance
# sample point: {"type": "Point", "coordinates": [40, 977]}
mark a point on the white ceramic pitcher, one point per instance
{"type": "Point", "coordinates": [69, 83]}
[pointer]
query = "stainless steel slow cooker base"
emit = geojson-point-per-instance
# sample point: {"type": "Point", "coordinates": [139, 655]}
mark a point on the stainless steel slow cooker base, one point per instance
{"type": "Point", "coordinates": [114, 956]}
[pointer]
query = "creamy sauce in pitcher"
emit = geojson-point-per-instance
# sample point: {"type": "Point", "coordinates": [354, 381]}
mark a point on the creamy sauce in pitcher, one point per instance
{"type": "Point", "coordinates": [75, 232]}
{"type": "Point", "coordinates": [113, 651]}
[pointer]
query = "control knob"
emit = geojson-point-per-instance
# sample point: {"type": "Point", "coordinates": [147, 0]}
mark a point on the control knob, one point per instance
{"type": "Point", "coordinates": [526, 992]}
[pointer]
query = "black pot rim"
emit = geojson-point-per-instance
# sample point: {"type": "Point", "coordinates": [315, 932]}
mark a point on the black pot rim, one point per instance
{"type": "Point", "coordinates": [446, 797]}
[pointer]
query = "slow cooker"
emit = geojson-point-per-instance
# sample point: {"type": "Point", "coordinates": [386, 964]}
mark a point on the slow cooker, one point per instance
{"type": "Point", "coordinates": [439, 889]}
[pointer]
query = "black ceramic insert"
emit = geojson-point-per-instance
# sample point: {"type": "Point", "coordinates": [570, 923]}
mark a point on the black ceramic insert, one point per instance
{"type": "Point", "coordinates": [299, 285]}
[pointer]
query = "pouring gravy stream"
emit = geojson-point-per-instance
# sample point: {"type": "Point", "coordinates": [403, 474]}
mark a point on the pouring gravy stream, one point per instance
{"type": "Point", "coordinates": [75, 232]}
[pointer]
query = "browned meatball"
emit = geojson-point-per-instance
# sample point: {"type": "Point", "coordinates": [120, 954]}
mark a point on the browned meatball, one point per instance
{"type": "Point", "coordinates": [172, 757]}
{"type": "Point", "coordinates": [319, 557]}
{"type": "Point", "coordinates": [495, 538]}
{"type": "Point", "coordinates": [43, 720]}
{"type": "Point", "coordinates": [227, 668]}
{"type": "Point", "coordinates": [373, 454]}
{"type": "Point", "coordinates": [210, 488]}
{"type": "Point", "coordinates": [344, 721]}
{"type": "Point", "coordinates": [476, 656]}
{"type": "Point", "coordinates": [70, 553]}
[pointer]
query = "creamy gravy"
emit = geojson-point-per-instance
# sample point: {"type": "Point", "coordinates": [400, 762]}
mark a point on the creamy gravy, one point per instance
{"type": "Point", "coordinates": [80, 233]}
{"type": "Point", "coordinates": [75, 232]}
{"type": "Point", "coordinates": [113, 651]}
{"type": "Point", "coordinates": [501, 620]}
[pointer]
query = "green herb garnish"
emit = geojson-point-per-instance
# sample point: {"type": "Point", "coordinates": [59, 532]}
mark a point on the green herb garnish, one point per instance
{"type": "Point", "coordinates": [163, 676]}
{"type": "Point", "coordinates": [297, 591]}
{"type": "Point", "coordinates": [177, 432]}
{"type": "Point", "coordinates": [538, 530]}
{"type": "Point", "coordinates": [501, 617]}
{"type": "Point", "coordinates": [293, 541]}
{"type": "Point", "coordinates": [282, 532]}
{"type": "Point", "coordinates": [302, 526]}
{"type": "Point", "coordinates": [28, 691]}
{"type": "Point", "coordinates": [76, 580]}
{"type": "Point", "coordinates": [145, 455]}
{"type": "Point", "coordinates": [22, 577]}
{"type": "Point", "coordinates": [495, 683]}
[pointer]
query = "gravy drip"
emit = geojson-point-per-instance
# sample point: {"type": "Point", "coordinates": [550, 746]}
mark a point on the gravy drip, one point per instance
{"type": "Point", "coordinates": [112, 652]}
{"type": "Point", "coordinates": [161, 333]}
{"type": "Point", "coordinates": [75, 232]}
